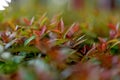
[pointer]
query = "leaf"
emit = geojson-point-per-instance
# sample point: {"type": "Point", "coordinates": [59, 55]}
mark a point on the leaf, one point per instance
{"type": "Point", "coordinates": [31, 21]}
{"type": "Point", "coordinates": [56, 31]}
{"type": "Point", "coordinates": [60, 41]}
{"type": "Point", "coordinates": [43, 16]}
{"type": "Point", "coordinates": [10, 43]}
{"type": "Point", "coordinates": [112, 26]}
{"type": "Point", "coordinates": [81, 37]}
{"type": "Point", "coordinates": [117, 26]}
{"type": "Point", "coordinates": [60, 26]}
{"type": "Point", "coordinates": [27, 21]}
{"type": "Point", "coordinates": [29, 40]}
{"type": "Point", "coordinates": [43, 29]}
{"type": "Point", "coordinates": [79, 42]}
{"type": "Point", "coordinates": [114, 50]}
{"type": "Point", "coordinates": [4, 37]}
{"type": "Point", "coordinates": [36, 32]}
{"type": "Point", "coordinates": [43, 21]}
{"type": "Point", "coordinates": [74, 28]}
{"type": "Point", "coordinates": [64, 36]}
{"type": "Point", "coordinates": [112, 41]}
{"type": "Point", "coordinates": [57, 41]}
{"type": "Point", "coordinates": [118, 42]}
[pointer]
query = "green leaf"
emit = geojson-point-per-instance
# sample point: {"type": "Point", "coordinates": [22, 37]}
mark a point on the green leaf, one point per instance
{"type": "Point", "coordinates": [29, 40]}
{"type": "Point", "coordinates": [114, 50]}
{"type": "Point", "coordinates": [118, 42]}
{"type": "Point", "coordinates": [60, 41]}
{"type": "Point", "coordinates": [43, 21]}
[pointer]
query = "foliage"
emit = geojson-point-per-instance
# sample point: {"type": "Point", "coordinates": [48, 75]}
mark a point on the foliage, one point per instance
{"type": "Point", "coordinates": [46, 49]}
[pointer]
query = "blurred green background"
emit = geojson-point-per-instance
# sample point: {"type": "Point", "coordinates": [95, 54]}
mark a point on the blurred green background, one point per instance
{"type": "Point", "coordinates": [90, 12]}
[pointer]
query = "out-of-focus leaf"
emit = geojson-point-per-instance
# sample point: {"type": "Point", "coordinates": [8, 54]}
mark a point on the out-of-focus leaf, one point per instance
{"type": "Point", "coordinates": [60, 41]}
{"type": "Point", "coordinates": [112, 26]}
{"type": "Point", "coordinates": [29, 40]}
{"type": "Point", "coordinates": [112, 41]}
{"type": "Point", "coordinates": [60, 26]}
{"type": "Point", "coordinates": [10, 43]}
{"type": "Point", "coordinates": [73, 29]}
{"type": "Point", "coordinates": [79, 42]}
{"type": "Point", "coordinates": [57, 31]}
{"type": "Point", "coordinates": [4, 37]}
{"type": "Point", "coordinates": [42, 31]}
{"type": "Point", "coordinates": [64, 36]}
{"type": "Point", "coordinates": [43, 21]}
{"type": "Point", "coordinates": [114, 50]}
{"type": "Point", "coordinates": [27, 21]}
{"type": "Point", "coordinates": [32, 20]}
{"type": "Point", "coordinates": [118, 42]}
{"type": "Point", "coordinates": [81, 37]}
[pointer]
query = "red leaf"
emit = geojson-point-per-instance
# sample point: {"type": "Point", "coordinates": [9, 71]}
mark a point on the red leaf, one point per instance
{"type": "Point", "coordinates": [112, 26]}
{"type": "Point", "coordinates": [4, 37]}
{"type": "Point", "coordinates": [74, 29]}
{"type": "Point", "coordinates": [27, 21]}
{"type": "Point", "coordinates": [36, 32]}
{"type": "Point", "coordinates": [60, 26]}
{"type": "Point", "coordinates": [103, 44]}
{"type": "Point", "coordinates": [40, 32]}
{"type": "Point", "coordinates": [56, 31]}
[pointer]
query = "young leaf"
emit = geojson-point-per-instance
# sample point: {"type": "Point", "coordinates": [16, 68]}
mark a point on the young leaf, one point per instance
{"type": "Point", "coordinates": [60, 26]}
{"type": "Point", "coordinates": [64, 36]}
{"type": "Point", "coordinates": [72, 30]}
{"type": "Point", "coordinates": [27, 21]}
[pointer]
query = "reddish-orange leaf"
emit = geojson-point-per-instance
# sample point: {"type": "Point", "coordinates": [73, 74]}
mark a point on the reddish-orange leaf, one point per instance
{"type": "Point", "coordinates": [74, 29]}
{"type": "Point", "coordinates": [36, 32]}
{"type": "Point", "coordinates": [56, 31]}
{"type": "Point", "coordinates": [103, 46]}
{"type": "Point", "coordinates": [60, 26]}
{"type": "Point", "coordinates": [27, 21]}
{"type": "Point", "coordinates": [4, 37]}
{"type": "Point", "coordinates": [40, 32]}
{"type": "Point", "coordinates": [112, 26]}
